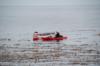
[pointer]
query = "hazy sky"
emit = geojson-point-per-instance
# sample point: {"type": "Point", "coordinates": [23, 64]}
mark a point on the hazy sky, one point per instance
{"type": "Point", "coordinates": [49, 2]}
{"type": "Point", "coordinates": [48, 15]}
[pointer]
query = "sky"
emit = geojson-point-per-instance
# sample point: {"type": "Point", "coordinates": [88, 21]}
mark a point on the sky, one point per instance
{"type": "Point", "coordinates": [49, 2]}
{"type": "Point", "coordinates": [23, 16]}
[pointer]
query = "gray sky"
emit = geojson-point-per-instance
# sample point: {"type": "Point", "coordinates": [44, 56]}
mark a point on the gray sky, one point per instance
{"type": "Point", "coordinates": [48, 15]}
{"type": "Point", "coordinates": [49, 2]}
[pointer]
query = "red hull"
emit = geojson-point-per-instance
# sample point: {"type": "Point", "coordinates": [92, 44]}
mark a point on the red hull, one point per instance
{"type": "Point", "coordinates": [49, 39]}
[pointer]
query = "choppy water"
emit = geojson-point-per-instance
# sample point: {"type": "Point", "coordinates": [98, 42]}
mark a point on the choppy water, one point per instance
{"type": "Point", "coordinates": [81, 48]}
{"type": "Point", "coordinates": [79, 21]}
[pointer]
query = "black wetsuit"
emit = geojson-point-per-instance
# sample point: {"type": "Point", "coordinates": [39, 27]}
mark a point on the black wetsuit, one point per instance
{"type": "Point", "coordinates": [58, 35]}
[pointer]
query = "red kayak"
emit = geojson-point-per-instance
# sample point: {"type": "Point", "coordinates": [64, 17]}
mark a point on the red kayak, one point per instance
{"type": "Point", "coordinates": [49, 39]}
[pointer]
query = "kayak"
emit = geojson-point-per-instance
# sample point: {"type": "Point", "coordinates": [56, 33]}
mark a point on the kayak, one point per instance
{"type": "Point", "coordinates": [52, 36]}
{"type": "Point", "coordinates": [49, 39]}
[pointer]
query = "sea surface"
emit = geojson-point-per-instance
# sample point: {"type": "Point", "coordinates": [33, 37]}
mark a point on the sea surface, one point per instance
{"type": "Point", "coordinates": [79, 22]}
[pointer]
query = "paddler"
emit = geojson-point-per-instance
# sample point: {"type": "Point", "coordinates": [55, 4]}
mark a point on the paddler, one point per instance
{"type": "Point", "coordinates": [58, 35]}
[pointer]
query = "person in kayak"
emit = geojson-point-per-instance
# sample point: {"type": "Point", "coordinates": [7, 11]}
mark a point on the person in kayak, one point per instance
{"type": "Point", "coordinates": [58, 35]}
{"type": "Point", "coordinates": [35, 36]}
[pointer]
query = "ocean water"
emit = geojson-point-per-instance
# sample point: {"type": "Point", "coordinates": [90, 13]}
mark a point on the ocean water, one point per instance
{"type": "Point", "coordinates": [78, 20]}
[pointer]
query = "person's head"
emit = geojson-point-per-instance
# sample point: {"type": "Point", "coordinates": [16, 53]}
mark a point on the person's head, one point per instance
{"type": "Point", "coordinates": [57, 32]}
{"type": "Point", "coordinates": [35, 34]}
